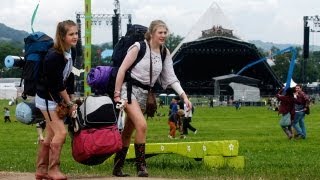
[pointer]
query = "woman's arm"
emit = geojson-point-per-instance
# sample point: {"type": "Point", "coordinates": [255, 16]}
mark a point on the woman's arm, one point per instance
{"type": "Point", "coordinates": [65, 96]}
{"type": "Point", "coordinates": [68, 99]}
{"type": "Point", "coordinates": [127, 62]}
{"type": "Point", "coordinates": [186, 101]}
{"type": "Point", "coordinates": [178, 89]}
{"type": "Point", "coordinates": [167, 75]}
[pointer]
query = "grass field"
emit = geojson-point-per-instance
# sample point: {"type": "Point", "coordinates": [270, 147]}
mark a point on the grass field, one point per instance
{"type": "Point", "coordinates": [268, 153]}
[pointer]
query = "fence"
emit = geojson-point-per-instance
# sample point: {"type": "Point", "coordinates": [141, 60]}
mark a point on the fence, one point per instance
{"type": "Point", "coordinates": [210, 100]}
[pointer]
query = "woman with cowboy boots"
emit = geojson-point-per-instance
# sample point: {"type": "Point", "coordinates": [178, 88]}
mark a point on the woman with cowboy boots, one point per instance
{"type": "Point", "coordinates": [57, 67]}
{"type": "Point", "coordinates": [161, 71]}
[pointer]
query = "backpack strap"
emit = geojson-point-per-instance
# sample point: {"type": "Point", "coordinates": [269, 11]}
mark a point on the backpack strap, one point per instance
{"type": "Point", "coordinates": [141, 53]}
{"type": "Point", "coordinates": [163, 53]}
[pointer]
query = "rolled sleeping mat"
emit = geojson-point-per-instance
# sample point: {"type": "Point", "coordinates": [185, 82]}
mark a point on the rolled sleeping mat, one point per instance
{"type": "Point", "coordinates": [28, 113]}
{"type": "Point", "coordinates": [14, 61]}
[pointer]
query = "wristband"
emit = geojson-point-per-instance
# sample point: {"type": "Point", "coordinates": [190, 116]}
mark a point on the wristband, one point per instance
{"type": "Point", "coordinates": [116, 96]}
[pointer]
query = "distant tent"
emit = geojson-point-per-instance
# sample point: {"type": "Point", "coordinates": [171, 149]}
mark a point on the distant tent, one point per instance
{"type": "Point", "coordinates": [8, 91]}
{"type": "Point", "coordinates": [213, 16]}
{"type": "Point", "coordinates": [244, 88]}
{"type": "Point", "coordinates": [245, 93]}
{"type": "Point", "coordinates": [292, 83]}
{"type": "Point", "coordinates": [106, 53]}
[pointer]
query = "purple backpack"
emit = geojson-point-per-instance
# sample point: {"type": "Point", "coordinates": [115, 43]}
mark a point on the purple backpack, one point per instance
{"type": "Point", "coordinates": [98, 79]}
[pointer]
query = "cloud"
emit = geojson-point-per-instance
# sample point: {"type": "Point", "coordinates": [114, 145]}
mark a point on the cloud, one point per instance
{"type": "Point", "coordinates": [267, 20]}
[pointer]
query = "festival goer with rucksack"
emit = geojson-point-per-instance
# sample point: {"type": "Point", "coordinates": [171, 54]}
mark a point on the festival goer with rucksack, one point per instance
{"type": "Point", "coordinates": [58, 86]}
{"type": "Point", "coordinates": [301, 105]}
{"type": "Point", "coordinates": [286, 109]}
{"type": "Point", "coordinates": [161, 71]}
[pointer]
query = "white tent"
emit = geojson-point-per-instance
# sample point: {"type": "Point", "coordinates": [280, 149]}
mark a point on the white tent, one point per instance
{"type": "Point", "coordinates": [292, 83]}
{"type": "Point", "coordinates": [213, 16]}
{"type": "Point", "coordinates": [245, 93]}
{"type": "Point", "coordinates": [8, 91]}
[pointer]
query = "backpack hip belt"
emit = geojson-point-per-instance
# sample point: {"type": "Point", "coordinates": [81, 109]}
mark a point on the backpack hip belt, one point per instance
{"type": "Point", "coordinates": [137, 83]}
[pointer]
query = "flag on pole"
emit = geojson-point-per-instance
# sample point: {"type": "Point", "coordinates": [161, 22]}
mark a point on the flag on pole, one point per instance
{"type": "Point", "coordinates": [34, 15]}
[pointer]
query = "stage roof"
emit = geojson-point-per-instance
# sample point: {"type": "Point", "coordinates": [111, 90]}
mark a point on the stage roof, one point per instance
{"type": "Point", "coordinates": [197, 62]}
{"type": "Point", "coordinates": [226, 79]}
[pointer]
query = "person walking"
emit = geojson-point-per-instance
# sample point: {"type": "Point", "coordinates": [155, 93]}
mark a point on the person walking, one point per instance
{"type": "Point", "coordinates": [163, 71]}
{"type": "Point", "coordinates": [286, 109]}
{"type": "Point", "coordinates": [173, 107]}
{"type": "Point", "coordinates": [238, 104]}
{"type": "Point", "coordinates": [57, 68]}
{"type": "Point", "coordinates": [211, 103]}
{"type": "Point", "coordinates": [173, 123]}
{"type": "Point", "coordinates": [301, 104]}
{"type": "Point", "coordinates": [6, 115]}
{"type": "Point", "coordinates": [186, 122]}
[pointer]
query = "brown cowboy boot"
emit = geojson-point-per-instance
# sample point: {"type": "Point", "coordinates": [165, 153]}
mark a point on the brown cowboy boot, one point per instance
{"type": "Point", "coordinates": [141, 160]}
{"type": "Point", "coordinates": [119, 162]}
{"type": "Point", "coordinates": [54, 162]}
{"type": "Point", "coordinates": [42, 161]}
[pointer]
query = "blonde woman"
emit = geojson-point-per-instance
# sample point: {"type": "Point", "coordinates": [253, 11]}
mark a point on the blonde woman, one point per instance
{"type": "Point", "coordinates": [161, 71]}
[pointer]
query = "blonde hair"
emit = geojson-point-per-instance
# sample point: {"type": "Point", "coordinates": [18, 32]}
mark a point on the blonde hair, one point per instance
{"type": "Point", "coordinates": [153, 27]}
{"type": "Point", "coordinates": [61, 32]}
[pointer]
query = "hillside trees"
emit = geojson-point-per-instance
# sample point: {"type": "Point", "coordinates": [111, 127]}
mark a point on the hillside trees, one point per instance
{"type": "Point", "coordinates": [312, 69]}
{"type": "Point", "coordinates": [9, 48]}
{"type": "Point", "coordinates": [173, 41]}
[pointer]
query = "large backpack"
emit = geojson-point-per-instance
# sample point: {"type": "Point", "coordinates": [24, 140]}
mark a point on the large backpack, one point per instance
{"type": "Point", "coordinates": [36, 47]}
{"type": "Point", "coordinates": [102, 79]}
{"type": "Point", "coordinates": [134, 34]}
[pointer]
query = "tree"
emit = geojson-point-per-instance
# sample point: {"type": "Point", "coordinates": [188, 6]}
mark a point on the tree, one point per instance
{"type": "Point", "coordinates": [281, 66]}
{"type": "Point", "coordinates": [173, 41]}
{"type": "Point", "coordinates": [282, 63]}
{"type": "Point", "coordinates": [312, 67]}
{"type": "Point", "coordinates": [9, 48]}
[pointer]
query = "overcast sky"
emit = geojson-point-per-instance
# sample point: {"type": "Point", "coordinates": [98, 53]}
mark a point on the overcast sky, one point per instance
{"type": "Point", "coordinates": [278, 21]}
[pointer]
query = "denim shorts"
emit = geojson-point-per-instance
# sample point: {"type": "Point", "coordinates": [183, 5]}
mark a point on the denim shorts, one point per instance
{"type": "Point", "coordinates": [41, 104]}
{"type": "Point", "coordinates": [138, 94]}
